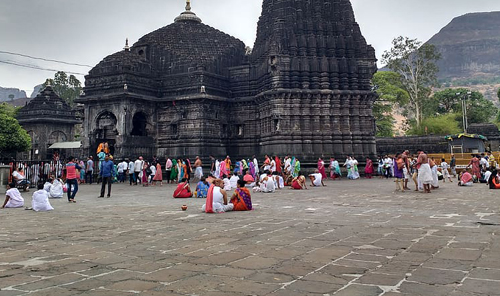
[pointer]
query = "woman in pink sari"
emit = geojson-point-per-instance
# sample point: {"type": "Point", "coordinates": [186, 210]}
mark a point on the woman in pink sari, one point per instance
{"type": "Point", "coordinates": [369, 168]}
{"type": "Point", "coordinates": [321, 168]}
{"type": "Point", "coordinates": [474, 163]}
{"type": "Point", "coordinates": [223, 170]}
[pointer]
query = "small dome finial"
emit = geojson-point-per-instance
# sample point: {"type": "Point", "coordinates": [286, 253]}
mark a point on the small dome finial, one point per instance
{"type": "Point", "coordinates": [126, 48]}
{"type": "Point", "coordinates": [188, 15]}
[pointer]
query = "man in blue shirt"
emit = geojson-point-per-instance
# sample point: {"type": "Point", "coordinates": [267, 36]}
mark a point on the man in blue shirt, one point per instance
{"type": "Point", "coordinates": [107, 172]}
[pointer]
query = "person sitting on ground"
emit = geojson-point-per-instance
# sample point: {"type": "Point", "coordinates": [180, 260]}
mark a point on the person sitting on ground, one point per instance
{"type": "Point", "coordinates": [241, 199]}
{"type": "Point", "coordinates": [183, 190]}
{"type": "Point", "coordinates": [40, 200]}
{"type": "Point", "coordinates": [227, 183]}
{"type": "Point", "coordinates": [316, 179]}
{"type": "Point", "coordinates": [280, 181]}
{"type": "Point", "coordinates": [493, 180]}
{"type": "Point", "coordinates": [268, 183]}
{"type": "Point", "coordinates": [20, 179]}
{"type": "Point", "coordinates": [217, 199]}
{"type": "Point", "coordinates": [47, 185]}
{"type": "Point", "coordinates": [56, 190]}
{"type": "Point", "coordinates": [249, 179]}
{"type": "Point", "coordinates": [466, 179]}
{"type": "Point", "coordinates": [13, 198]}
{"type": "Point", "coordinates": [234, 180]}
{"type": "Point", "coordinates": [486, 177]}
{"type": "Point", "coordinates": [299, 183]}
{"type": "Point", "coordinates": [202, 188]}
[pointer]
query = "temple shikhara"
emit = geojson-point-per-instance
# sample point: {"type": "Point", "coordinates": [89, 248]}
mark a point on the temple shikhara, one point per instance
{"type": "Point", "coordinates": [189, 89]}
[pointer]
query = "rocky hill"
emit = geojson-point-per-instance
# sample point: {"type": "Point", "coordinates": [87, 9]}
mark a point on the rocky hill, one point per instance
{"type": "Point", "coordinates": [8, 94]}
{"type": "Point", "coordinates": [470, 48]}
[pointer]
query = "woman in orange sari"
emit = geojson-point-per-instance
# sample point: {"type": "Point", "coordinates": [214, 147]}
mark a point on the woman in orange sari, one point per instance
{"type": "Point", "coordinates": [183, 190]}
{"type": "Point", "coordinates": [241, 199]}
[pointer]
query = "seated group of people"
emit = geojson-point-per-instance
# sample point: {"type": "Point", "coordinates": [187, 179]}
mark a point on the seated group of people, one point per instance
{"type": "Point", "coordinates": [40, 199]}
{"type": "Point", "coordinates": [214, 191]}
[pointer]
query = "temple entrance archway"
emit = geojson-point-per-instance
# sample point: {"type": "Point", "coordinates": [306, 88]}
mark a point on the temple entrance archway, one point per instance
{"type": "Point", "coordinates": [139, 123]}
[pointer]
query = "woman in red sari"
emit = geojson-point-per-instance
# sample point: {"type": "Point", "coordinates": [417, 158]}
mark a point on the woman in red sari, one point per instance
{"type": "Point", "coordinates": [183, 190]}
{"type": "Point", "coordinates": [241, 199]}
{"type": "Point", "coordinates": [321, 168]}
{"type": "Point", "coordinates": [369, 168]}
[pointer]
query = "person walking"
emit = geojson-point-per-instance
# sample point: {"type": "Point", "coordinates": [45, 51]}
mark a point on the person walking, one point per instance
{"type": "Point", "coordinates": [71, 181]}
{"type": "Point", "coordinates": [106, 173]}
{"type": "Point", "coordinates": [89, 170]}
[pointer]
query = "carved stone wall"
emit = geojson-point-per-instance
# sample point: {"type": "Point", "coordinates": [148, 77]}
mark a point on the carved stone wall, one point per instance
{"type": "Point", "coordinates": [304, 90]}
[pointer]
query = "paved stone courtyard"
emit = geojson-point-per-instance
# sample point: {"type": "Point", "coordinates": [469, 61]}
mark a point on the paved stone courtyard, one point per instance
{"type": "Point", "coordinates": [350, 238]}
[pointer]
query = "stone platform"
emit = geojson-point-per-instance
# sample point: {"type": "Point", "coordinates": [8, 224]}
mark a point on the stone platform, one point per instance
{"type": "Point", "coordinates": [350, 238]}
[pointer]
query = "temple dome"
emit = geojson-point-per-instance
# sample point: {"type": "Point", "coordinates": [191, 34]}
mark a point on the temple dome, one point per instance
{"type": "Point", "coordinates": [187, 44]}
{"type": "Point", "coordinates": [181, 47]}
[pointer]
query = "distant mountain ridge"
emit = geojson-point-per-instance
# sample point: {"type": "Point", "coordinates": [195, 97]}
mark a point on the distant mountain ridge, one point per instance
{"type": "Point", "coordinates": [470, 47]}
{"type": "Point", "coordinates": [6, 92]}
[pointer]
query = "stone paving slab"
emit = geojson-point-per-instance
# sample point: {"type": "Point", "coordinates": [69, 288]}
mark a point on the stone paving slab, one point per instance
{"type": "Point", "coordinates": [349, 238]}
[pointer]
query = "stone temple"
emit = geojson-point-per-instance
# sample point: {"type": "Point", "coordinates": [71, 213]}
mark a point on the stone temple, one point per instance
{"type": "Point", "coordinates": [188, 89]}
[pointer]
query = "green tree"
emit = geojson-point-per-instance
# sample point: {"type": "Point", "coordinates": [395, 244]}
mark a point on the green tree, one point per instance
{"type": "Point", "coordinates": [13, 138]}
{"type": "Point", "coordinates": [67, 87]}
{"type": "Point", "coordinates": [416, 65]}
{"type": "Point", "coordinates": [390, 95]}
{"type": "Point", "coordinates": [479, 109]}
{"type": "Point", "coordinates": [438, 125]}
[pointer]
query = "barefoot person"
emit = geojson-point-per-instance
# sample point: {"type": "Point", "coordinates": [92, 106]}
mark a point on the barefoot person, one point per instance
{"type": "Point", "coordinates": [183, 190]}
{"type": "Point", "coordinates": [424, 171]}
{"type": "Point", "coordinates": [241, 200]}
{"type": "Point", "coordinates": [217, 199]}
{"type": "Point", "coordinates": [316, 179]}
{"type": "Point", "coordinates": [299, 183]}
{"type": "Point", "coordinates": [40, 200]}
{"type": "Point", "coordinates": [13, 198]}
{"type": "Point", "coordinates": [198, 171]}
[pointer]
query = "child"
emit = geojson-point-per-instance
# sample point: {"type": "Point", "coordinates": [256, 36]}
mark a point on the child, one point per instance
{"type": "Point", "coordinates": [13, 198]}
{"type": "Point", "coordinates": [40, 200]}
{"type": "Point", "coordinates": [444, 168]}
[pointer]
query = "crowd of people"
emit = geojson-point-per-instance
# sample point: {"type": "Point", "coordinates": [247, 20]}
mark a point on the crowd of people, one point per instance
{"type": "Point", "coordinates": [246, 175]}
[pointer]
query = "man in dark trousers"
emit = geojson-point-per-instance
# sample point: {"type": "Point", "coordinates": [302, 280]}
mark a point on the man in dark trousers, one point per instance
{"type": "Point", "coordinates": [107, 173]}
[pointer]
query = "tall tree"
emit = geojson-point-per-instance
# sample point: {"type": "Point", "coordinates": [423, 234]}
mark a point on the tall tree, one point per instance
{"type": "Point", "coordinates": [416, 65]}
{"type": "Point", "coordinates": [390, 95]}
{"type": "Point", "coordinates": [13, 138]}
{"type": "Point", "coordinates": [67, 87]}
{"type": "Point", "coordinates": [479, 109]}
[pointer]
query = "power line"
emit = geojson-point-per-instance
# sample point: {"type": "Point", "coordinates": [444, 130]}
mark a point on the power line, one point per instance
{"type": "Point", "coordinates": [38, 68]}
{"type": "Point", "coordinates": [44, 59]}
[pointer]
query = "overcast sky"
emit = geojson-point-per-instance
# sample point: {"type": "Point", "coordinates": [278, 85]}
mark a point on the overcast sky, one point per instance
{"type": "Point", "coordinates": [84, 32]}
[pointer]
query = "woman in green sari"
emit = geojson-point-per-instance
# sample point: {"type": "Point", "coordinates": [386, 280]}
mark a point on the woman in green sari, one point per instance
{"type": "Point", "coordinates": [296, 168]}
{"type": "Point", "coordinates": [173, 173]}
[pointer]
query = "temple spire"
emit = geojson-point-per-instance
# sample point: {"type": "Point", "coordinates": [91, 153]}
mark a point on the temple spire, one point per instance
{"type": "Point", "coordinates": [126, 48]}
{"type": "Point", "coordinates": [188, 5]}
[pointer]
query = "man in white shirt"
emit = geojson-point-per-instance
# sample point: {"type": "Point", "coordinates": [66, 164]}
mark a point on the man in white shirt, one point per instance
{"type": "Point", "coordinates": [234, 181]}
{"type": "Point", "coordinates": [122, 168]}
{"type": "Point", "coordinates": [138, 164]}
{"type": "Point", "coordinates": [131, 172]}
{"type": "Point", "coordinates": [256, 165]}
{"type": "Point", "coordinates": [316, 179]}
